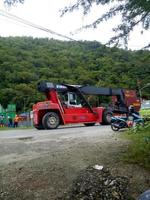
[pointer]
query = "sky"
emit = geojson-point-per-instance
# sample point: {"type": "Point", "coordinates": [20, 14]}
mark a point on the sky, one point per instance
{"type": "Point", "coordinates": [46, 13]}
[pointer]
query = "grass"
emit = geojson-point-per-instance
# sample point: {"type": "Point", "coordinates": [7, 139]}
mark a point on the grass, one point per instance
{"type": "Point", "coordinates": [145, 113]}
{"type": "Point", "coordinates": [139, 149]}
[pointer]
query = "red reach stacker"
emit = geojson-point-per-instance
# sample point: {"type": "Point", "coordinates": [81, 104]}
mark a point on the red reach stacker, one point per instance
{"type": "Point", "coordinates": [67, 104]}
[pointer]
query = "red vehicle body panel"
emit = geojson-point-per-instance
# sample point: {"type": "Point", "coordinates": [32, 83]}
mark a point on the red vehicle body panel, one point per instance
{"type": "Point", "coordinates": [68, 114]}
{"type": "Point", "coordinates": [82, 115]}
{"type": "Point", "coordinates": [131, 99]}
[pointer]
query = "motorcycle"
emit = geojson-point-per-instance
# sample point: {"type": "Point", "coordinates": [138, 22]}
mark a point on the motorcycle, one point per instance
{"type": "Point", "coordinates": [118, 123]}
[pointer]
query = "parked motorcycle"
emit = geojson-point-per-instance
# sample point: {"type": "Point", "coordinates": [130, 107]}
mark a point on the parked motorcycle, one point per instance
{"type": "Point", "coordinates": [118, 123]}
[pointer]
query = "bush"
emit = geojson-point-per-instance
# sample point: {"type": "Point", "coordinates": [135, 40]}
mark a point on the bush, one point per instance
{"type": "Point", "coordinates": [139, 149]}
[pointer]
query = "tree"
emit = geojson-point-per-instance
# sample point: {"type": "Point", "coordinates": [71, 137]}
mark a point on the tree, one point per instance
{"type": "Point", "coordinates": [25, 61]}
{"type": "Point", "coordinates": [12, 2]}
{"type": "Point", "coordinates": [133, 12]}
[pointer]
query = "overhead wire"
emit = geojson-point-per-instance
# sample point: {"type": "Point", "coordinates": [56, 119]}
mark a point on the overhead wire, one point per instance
{"type": "Point", "coordinates": [12, 22]}
{"type": "Point", "coordinates": [28, 23]}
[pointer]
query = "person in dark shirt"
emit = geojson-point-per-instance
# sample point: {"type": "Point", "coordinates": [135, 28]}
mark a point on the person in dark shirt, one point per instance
{"type": "Point", "coordinates": [132, 112]}
{"type": "Point", "coordinates": [10, 120]}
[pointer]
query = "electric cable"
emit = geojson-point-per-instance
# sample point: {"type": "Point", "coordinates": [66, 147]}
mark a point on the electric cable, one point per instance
{"type": "Point", "coordinates": [26, 22]}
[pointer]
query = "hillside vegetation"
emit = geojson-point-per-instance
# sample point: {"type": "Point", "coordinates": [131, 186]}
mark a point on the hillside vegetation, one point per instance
{"type": "Point", "coordinates": [139, 149]}
{"type": "Point", "coordinates": [24, 61]}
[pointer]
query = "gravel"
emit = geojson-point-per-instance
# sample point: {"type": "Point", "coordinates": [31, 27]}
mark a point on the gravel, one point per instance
{"type": "Point", "coordinates": [95, 184]}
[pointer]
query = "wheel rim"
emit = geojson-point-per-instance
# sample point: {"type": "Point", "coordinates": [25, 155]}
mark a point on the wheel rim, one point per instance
{"type": "Point", "coordinates": [52, 121]}
{"type": "Point", "coordinates": [108, 117]}
{"type": "Point", "coordinates": [115, 129]}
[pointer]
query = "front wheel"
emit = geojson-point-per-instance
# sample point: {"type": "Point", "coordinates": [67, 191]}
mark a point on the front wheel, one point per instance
{"type": "Point", "coordinates": [106, 117]}
{"type": "Point", "coordinates": [51, 120]}
{"type": "Point", "coordinates": [114, 128]}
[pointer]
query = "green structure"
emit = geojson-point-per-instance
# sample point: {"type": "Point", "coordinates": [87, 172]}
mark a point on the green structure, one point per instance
{"type": "Point", "coordinates": [7, 113]}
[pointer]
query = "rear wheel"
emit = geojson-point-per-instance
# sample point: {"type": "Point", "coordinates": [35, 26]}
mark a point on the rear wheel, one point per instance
{"type": "Point", "coordinates": [51, 120]}
{"type": "Point", "coordinates": [107, 117]}
{"type": "Point", "coordinates": [89, 124]}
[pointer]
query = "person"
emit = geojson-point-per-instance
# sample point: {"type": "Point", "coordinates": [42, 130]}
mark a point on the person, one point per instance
{"type": "Point", "coordinates": [133, 116]}
{"type": "Point", "coordinates": [10, 124]}
{"type": "Point", "coordinates": [133, 112]}
{"type": "Point", "coordinates": [116, 105]}
{"type": "Point", "coordinates": [1, 120]}
{"type": "Point", "coordinates": [16, 120]}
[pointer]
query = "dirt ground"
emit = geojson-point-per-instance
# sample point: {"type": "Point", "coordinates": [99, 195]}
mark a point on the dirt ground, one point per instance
{"type": "Point", "coordinates": [41, 165]}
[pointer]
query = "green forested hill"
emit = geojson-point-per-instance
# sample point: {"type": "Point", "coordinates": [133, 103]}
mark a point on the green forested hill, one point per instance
{"type": "Point", "coordinates": [24, 61]}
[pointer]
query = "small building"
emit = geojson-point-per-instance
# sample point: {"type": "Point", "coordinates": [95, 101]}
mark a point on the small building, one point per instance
{"type": "Point", "coordinates": [6, 114]}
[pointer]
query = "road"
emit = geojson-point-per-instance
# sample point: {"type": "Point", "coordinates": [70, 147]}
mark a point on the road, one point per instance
{"type": "Point", "coordinates": [17, 144]}
{"type": "Point", "coordinates": [70, 129]}
{"type": "Point", "coordinates": [41, 165]}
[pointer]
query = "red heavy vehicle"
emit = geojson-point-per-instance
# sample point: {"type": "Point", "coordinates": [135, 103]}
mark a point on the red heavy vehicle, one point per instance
{"type": "Point", "coordinates": [66, 104]}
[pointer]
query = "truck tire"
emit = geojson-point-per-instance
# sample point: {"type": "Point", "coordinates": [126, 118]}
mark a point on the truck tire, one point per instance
{"type": "Point", "coordinates": [51, 120]}
{"type": "Point", "coordinates": [107, 117]}
{"type": "Point", "coordinates": [89, 124]}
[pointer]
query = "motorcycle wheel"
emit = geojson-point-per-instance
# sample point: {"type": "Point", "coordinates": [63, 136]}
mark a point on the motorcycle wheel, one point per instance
{"type": "Point", "coordinates": [114, 128]}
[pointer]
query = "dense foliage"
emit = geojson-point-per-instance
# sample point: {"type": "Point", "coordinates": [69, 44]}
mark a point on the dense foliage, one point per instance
{"type": "Point", "coordinates": [25, 61]}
